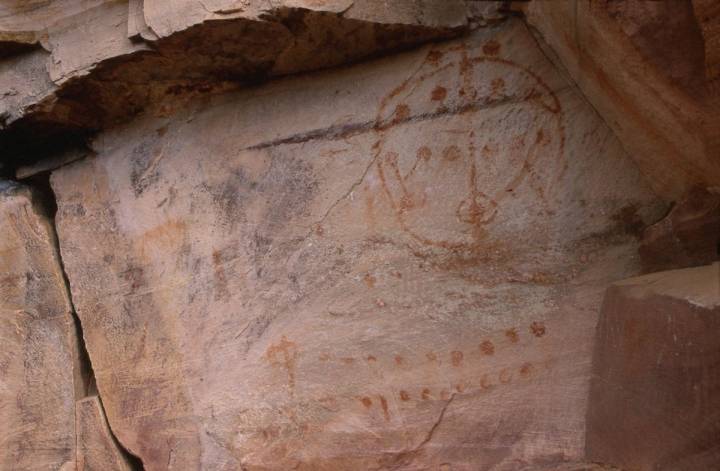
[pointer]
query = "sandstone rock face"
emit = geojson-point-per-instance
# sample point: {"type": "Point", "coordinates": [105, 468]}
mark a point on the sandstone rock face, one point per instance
{"type": "Point", "coordinates": [38, 353]}
{"type": "Point", "coordinates": [97, 449]}
{"type": "Point", "coordinates": [103, 61]}
{"type": "Point", "coordinates": [390, 266]}
{"type": "Point", "coordinates": [42, 373]}
{"type": "Point", "coordinates": [393, 265]}
{"type": "Point", "coordinates": [642, 66]}
{"type": "Point", "coordinates": [654, 402]}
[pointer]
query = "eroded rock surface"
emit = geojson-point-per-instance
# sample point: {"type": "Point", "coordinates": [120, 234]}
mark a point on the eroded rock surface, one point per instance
{"type": "Point", "coordinates": [649, 68]}
{"type": "Point", "coordinates": [391, 266]}
{"type": "Point", "coordinates": [96, 446]}
{"type": "Point", "coordinates": [654, 402]}
{"type": "Point", "coordinates": [38, 348]}
{"type": "Point", "coordinates": [103, 61]}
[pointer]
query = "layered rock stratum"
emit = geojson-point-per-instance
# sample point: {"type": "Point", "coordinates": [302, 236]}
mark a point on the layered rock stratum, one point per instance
{"type": "Point", "coordinates": [358, 235]}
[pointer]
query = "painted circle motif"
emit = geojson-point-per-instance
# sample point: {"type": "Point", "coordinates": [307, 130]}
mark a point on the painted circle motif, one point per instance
{"type": "Point", "coordinates": [489, 128]}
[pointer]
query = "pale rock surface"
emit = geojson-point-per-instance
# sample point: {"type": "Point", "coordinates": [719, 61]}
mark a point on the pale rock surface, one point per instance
{"type": "Point", "coordinates": [39, 370]}
{"type": "Point", "coordinates": [641, 65]}
{"type": "Point", "coordinates": [397, 265]}
{"type": "Point", "coordinates": [654, 402]}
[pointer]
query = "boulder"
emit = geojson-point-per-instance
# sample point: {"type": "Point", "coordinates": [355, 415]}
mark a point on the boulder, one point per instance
{"type": "Point", "coordinates": [654, 402]}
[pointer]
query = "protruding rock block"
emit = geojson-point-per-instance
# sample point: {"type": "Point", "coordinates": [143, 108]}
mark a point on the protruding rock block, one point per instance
{"type": "Point", "coordinates": [38, 345]}
{"type": "Point", "coordinates": [97, 449]}
{"type": "Point", "coordinates": [655, 394]}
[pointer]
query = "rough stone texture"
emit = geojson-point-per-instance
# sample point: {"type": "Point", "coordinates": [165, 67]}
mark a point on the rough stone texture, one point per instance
{"type": "Point", "coordinates": [96, 447]}
{"type": "Point", "coordinates": [688, 236]}
{"type": "Point", "coordinates": [25, 22]}
{"type": "Point", "coordinates": [641, 65]}
{"type": "Point", "coordinates": [654, 402]}
{"type": "Point", "coordinates": [104, 61]}
{"type": "Point", "coordinates": [38, 347]}
{"type": "Point", "coordinates": [391, 266]}
{"type": "Point", "coordinates": [707, 13]}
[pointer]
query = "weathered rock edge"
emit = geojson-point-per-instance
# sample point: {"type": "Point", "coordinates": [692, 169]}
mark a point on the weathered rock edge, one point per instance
{"type": "Point", "coordinates": [60, 93]}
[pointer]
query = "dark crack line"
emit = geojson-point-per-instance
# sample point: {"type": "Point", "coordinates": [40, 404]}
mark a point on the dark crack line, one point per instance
{"type": "Point", "coordinates": [403, 458]}
{"type": "Point", "coordinates": [435, 426]}
{"type": "Point", "coordinates": [338, 132]}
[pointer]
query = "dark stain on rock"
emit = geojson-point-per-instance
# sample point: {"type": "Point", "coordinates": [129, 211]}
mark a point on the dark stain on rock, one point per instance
{"type": "Point", "coordinates": [134, 276]}
{"type": "Point", "coordinates": [538, 329]}
{"type": "Point", "coordinates": [399, 360]}
{"type": "Point", "coordinates": [143, 166]}
{"type": "Point", "coordinates": [439, 93]}
{"type": "Point", "coordinates": [628, 221]}
{"type": "Point", "coordinates": [366, 401]}
{"type": "Point", "coordinates": [433, 57]}
{"type": "Point", "coordinates": [229, 196]}
{"type": "Point", "coordinates": [491, 48]}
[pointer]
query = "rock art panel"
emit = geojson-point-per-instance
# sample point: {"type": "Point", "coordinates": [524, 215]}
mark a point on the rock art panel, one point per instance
{"type": "Point", "coordinates": [38, 360]}
{"type": "Point", "coordinates": [653, 401]}
{"type": "Point", "coordinates": [392, 265]}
